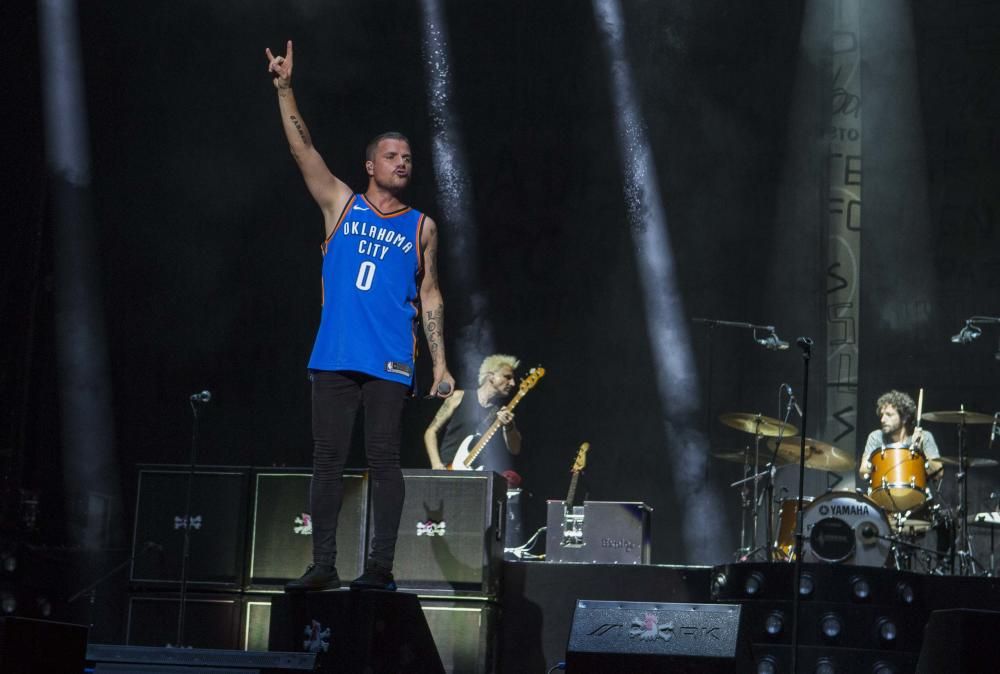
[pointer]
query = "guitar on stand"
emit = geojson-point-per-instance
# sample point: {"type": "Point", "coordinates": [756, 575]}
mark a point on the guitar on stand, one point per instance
{"type": "Point", "coordinates": [472, 446]}
{"type": "Point", "coordinates": [573, 517]}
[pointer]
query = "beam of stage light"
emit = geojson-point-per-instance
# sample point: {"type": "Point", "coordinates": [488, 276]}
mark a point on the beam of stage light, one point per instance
{"type": "Point", "coordinates": [704, 530]}
{"type": "Point", "coordinates": [89, 469]}
{"type": "Point", "coordinates": [454, 194]}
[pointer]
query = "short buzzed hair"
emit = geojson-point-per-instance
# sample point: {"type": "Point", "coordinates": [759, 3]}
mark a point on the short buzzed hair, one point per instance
{"type": "Point", "coordinates": [493, 363]}
{"type": "Point", "coordinates": [388, 135]}
{"type": "Point", "coordinates": [902, 402]}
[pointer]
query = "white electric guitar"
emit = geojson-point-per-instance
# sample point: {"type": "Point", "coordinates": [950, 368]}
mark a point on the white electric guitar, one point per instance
{"type": "Point", "coordinates": [471, 447]}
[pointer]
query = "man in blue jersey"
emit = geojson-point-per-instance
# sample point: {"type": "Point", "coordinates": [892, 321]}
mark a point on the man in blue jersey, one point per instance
{"type": "Point", "coordinates": [379, 276]}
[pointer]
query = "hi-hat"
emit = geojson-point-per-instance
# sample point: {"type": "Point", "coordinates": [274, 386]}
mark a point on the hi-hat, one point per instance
{"type": "Point", "coordinates": [758, 424]}
{"type": "Point", "coordinates": [958, 417]}
{"type": "Point", "coordinates": [974, 461]}
{"type": "Point", "coordinates": [819, 454]}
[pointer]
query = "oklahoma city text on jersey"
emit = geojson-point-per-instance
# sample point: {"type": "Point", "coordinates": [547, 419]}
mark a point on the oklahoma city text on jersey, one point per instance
{"type": "Point", "coordinates": [376, 240]}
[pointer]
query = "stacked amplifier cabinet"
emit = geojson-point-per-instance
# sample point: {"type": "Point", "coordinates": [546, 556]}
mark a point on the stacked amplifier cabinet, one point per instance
{"type": "Point", "coordinates": [251, 533]}
{"type": "Point", "coordinates": [211, 620]}
{"type": "Point", "coordinates": [216, 523]}
{"type": "Point", "coordinates": [600, 532]}
{"type": "Point", "coordinates": [451, 534]}
{"type": "Point", "coordinates": [281, 527]}
{"type": "Point", "coordinates": [450, 551]}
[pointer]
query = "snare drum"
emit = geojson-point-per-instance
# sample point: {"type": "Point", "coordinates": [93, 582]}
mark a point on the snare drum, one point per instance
{"type": "Point", "coordinates": [898, 477]}
{"type": "Point", "coordinates": [784, 541]}
{"type": "Point", "coordinates": [842, 526]}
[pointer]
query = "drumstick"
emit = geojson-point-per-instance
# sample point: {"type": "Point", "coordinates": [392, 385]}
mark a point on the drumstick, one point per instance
{"type": "Point", "coordinates": [920, 405]}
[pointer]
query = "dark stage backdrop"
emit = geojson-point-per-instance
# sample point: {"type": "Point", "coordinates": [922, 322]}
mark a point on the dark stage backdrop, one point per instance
{"type": "Point", "coordinates": [209, 241]}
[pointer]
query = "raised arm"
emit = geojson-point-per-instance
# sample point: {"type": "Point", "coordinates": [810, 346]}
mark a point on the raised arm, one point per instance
{"type": "Point", "coordinates": [446, 412]}
{"type": "Point", "coordinates": [329, 192]}
{"type": "Point", "coordinates": [432, 309]}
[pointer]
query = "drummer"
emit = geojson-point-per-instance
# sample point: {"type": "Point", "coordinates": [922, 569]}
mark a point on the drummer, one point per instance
{"type": "Point", "coordinates": [897, 413]}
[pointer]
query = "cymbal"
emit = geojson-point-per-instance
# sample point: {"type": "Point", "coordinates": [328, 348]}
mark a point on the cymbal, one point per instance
{"type": "Point", "coordinates": [758, 424]}
{"type": "Point", "coordinates": [958, 417]}
{"type": "Point", "coordinates": [974, 461]}
{"type": "Point", "coordinates": [986, 520]}
{"type": "Point", "coordinates": [819, 454]}
{"type": "Point", "coordinates": [740, 455]}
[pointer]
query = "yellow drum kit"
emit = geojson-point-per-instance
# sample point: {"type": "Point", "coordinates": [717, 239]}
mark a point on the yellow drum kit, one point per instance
{"type": "Point", "coordinates": [898, 519]}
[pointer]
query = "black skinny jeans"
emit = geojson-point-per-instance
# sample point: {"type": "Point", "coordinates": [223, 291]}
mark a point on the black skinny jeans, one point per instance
{"type": "Point", "coordinates": [335, 400]}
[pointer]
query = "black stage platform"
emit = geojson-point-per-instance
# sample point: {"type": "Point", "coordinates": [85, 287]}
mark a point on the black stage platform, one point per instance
{"type": "Point", "coordinates": [884, 616]}
{"type": "Point", "coordinates": [539, 598]}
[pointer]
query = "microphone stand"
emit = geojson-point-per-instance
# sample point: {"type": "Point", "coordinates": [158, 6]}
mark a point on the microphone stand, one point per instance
{"type": "Point", "coordinates": [805, 344]}
{"type": "Point", "coordinates": [91, 589]}
{"type": "Point", "coordinates": [749, 471]}
{"type": "Point", "coordinates": [186, 554]}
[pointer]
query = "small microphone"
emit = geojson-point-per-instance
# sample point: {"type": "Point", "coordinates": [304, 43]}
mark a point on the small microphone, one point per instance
{"type": "Point", "coordinates": [791, 400]}
{"type": "Point", "coordinates": [805, 344]}
{"type": "Point", "coordinates": [203, 397]}
{"type": "Point", "coordinates": [773, 343]}
{"type": "Point", "coordinates": [966, 334]}
{"type": "Point", "coordinates": [868, 531]}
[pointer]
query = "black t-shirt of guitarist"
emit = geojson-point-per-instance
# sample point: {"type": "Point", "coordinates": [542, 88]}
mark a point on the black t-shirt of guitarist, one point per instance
{"type": "Point", "coordinates": [471, 418]}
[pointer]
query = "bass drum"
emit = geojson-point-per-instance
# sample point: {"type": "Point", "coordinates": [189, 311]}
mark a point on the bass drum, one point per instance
{"type": "Point", "coordinates": [845, 527]}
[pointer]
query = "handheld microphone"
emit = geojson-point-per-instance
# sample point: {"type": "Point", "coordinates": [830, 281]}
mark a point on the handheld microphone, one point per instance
{"type": "Point", "coordinates": [203, 397]}
{"type": "Point", "coordinates": [444, 388]}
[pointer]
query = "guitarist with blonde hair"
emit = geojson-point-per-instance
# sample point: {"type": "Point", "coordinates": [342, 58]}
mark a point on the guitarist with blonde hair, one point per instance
{"type": "Point", "coordinates": [469, 413]}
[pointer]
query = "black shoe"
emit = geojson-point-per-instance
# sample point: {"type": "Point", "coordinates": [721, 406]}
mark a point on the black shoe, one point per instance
{"type": "Point", "coordinates": [375, 577]}
{"type": "Point", "coordinates": [317, 577]}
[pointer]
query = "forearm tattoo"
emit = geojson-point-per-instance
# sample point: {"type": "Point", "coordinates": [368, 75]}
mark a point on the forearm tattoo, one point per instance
{"type": "Point", "coordinates": [433, 319]}
{"type": "Point", "coordinates": [300, 127]}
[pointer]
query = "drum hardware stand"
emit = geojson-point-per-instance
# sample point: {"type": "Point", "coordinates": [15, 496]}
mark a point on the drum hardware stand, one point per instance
{"type": "Point", "coordinates": [805, 344]}
{"type": "Point", "coordinates": [961, 546]}
{"type": "Point", "coordinates": [196, 400]}
{"type": "Point", "coordinates": [772, 343]}
{"type": "Point", "coordinates": [769, 489]}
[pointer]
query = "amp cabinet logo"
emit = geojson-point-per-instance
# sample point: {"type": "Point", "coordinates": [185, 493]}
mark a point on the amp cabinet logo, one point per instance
{"type": "Point", "coordinates": [431, 528]}
{"type": "Point", "coordinates": [317, 638]}
{"type": "Point", "coordinates": [303, 524]}
{"type": "Point", "coordinates": [195, 522]}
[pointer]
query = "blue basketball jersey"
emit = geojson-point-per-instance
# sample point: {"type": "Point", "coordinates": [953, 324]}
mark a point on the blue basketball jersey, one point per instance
{"type": "Point", "coordinates": [371, 267]}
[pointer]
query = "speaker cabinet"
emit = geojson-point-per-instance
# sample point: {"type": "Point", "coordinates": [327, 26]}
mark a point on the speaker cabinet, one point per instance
{"type": "Point", "coordinates": [28, 646]}
{"type": "Point", "coordinates": [464, 632]}
{"type": "Point", "coordinates": [281, 534]}
{"type": "Point", "coordinates": [256, 622]}
{"type": "Point", "coordinates": [218, 519]}
{"type": "Point", "coordinates": [210, 621]}
{"type": "Point", "coordinates": [642, 637]}
{"type": "Point", "coordinates": [958, 640]}
{"type": "Point", "coordinates": [451, 533]}
{"type": "Point", "coordinates": [350, 631]}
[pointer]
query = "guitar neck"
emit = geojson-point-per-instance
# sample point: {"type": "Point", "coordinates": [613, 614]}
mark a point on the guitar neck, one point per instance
{"type": "Point", "coordinates": [491, 431]}
{"type": "Point", "coordinates": [572, 489]}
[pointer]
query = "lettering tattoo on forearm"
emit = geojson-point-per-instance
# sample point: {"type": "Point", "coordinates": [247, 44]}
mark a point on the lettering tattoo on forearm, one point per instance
{"type": "Point", "coordinates": [433, 318]}
{"type": "Point", "coordinates": [300, 128]}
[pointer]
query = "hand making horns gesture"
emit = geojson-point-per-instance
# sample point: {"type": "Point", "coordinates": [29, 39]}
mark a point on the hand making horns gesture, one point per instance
{"type": "Point", "coordinates": [281, 66]}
